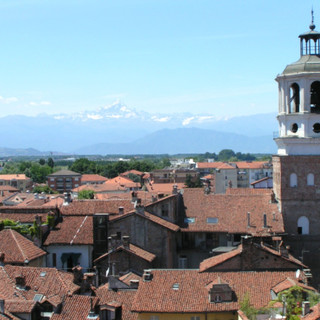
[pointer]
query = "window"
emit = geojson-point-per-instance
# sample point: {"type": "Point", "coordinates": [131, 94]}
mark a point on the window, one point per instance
{"type": "Point", "coordinates": [51, 179]}
{"type": "Point", "coordinates": [316, 127]}
{"type": "Point", "coordinates": [183, 262]}
{"type": "Point", "coordinates": [54, 259]}
{"type": "Point", "coordinates": [310, 179]}
{"type": "Point", "coordinates": [303, 225]}
{"type": "Point", "coordinates": [294, 128]}
{"type": "Point", "coordinates": [315, 97]}
{"type": "Point", "coordinates": [294, 98]}
{"type": "Point", "coordinates": [165, 210]}
{"type": "Point", "coordinates": [293, 180]}
{"type": "Point", "coordinates": [212, 220]}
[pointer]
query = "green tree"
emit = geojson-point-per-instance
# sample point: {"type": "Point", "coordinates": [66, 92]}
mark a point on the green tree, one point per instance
{"type": "Point", "coordinates": [50, 162]}
{"type": "Point", "coordinates": [46, 189]}
{"type": "Point", "coordinates": [42, 162]}
{"type": "Point", "coordinates": [38, 173]}
{"type": "Point", "coordinates": [86, 194]}
{"type": "Point", "coordinates": [225, 154]}
{"type": "Point", "coordinates": [83, 165]}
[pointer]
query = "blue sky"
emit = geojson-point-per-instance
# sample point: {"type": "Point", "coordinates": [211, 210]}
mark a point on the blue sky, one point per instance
{"type": "Point", "coordinates": [199, 56]}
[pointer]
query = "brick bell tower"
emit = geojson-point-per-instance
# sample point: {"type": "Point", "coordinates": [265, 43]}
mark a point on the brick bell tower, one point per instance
{"type": "Point", "coordinates": [297, 164]}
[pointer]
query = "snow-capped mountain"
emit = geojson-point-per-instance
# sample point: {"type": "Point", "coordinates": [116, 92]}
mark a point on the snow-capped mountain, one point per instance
{"type": "Point", "coordinates": [119, 123]}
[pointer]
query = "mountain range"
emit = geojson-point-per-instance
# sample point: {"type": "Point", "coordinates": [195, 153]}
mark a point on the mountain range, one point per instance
{"type": "Point", "coordinates": [117, 129]}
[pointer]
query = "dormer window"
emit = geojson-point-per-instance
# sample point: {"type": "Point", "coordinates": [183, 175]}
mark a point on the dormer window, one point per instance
{"type": "Point", "coordinates": [219, 292]}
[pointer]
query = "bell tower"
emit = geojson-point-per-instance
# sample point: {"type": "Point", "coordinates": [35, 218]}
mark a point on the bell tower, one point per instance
{"type": "Point", "coordinates": [297, 165]}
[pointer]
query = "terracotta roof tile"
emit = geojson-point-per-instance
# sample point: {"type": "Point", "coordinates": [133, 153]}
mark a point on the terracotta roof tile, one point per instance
{"type": "Point", "coordinates": [92, 177]}
{"type": "Point", "coordinates": [139, 252]}
{"type": "Point", "coordinates": [136, 172]}
{"type": "Point", "coordinates": [90, 207]}
{"type": "Point", "coordinates": [314, 314]}
{"type": "Point", "coordinates": [252, 164]}
{"type": "Point", "coordinates": [123, 297]}
{"type": "Point", "coordinates": [126, 278]}
{"type": "Point", "coordinates": [214, 165]}
{"type": "Point", "coordinates": [192, 295]}
{"type": "Point", "coordinates": [123, 182]}
{"type": "Point", "coordinates": [288, 283]}
{"type": "Point", "coordinates": [20, 306]}
{"type": "Point", "coordinates": [100, 188]}
{"type": "Point", "coordinates": [49, 282]}
{"type": "Point", "coordinates": [23, 217]}
{"type": "Point", "coordinates": [19, 176]}
{"type": "Point", "coordinates": [76, 230]}
{"type": "Point", "coordinates": [165, 188]}
{"type": "Point", "coordinates": [17, 248]}
{"type": "Point", "coordinates": [76, 307]}
{"type": "Point", "coordinates": [228, 213]}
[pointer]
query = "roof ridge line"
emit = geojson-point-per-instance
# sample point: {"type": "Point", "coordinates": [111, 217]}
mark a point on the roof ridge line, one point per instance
{"type": "Point", "coordinates": [84, 220]}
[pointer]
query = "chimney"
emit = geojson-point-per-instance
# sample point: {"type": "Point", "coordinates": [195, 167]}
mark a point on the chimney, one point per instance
{"type": "Point", "coordinates": [175, 189]}
{"type": "Point", "coordinates": [305, 308]}
{"type": "Point", "coordinates": [248, 218]}
{"type": "Point", "coordinates": [284, 250]}
{"type": "Point", "coordinates": [265, 225]}
{"type": "Point", "coordinates": [38, 220]}
{"type": "Point", "coordinates": [139, 208]}
{"type": "Point", "coordinates": [133, 196]}
{"type": "Point", "coordinates": [67, 198]}
{"type": "Point", "coordinates": [207, 189]}
{"type": "Point", "coordinates": [121, 210]}
{"type": "Point", "coordinates": [126, 242]}
{"type": "Point", "coordinates": [2, 256]}
{"type": "Point", "coordinates": [147, 275]}
{"type": "Point", "coordinates": [153, 198]}
{"type": "Point", "coordinates": [20, 281]}
{"type": "Point", "coordinates": [77, 275]}
{"type": "Point", "coordinates": [273, 197]}
{"type": "Point", "coordinates": [134, 284]}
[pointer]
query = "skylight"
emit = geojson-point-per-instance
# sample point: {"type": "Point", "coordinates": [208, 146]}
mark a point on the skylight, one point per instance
{"type": "Point", "coordinates": [212, 220]}
{"type": "Point", "coordinates": [175, 286]}
{"type": "Point", "coordinates": [189, 220]}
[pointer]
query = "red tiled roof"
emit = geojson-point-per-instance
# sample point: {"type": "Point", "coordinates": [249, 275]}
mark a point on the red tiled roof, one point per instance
{"type": "Point", "coordinates": [17, 248]}
{"type": "Point", "coordinates": [136, 172]}
{"type": "Point", "coordinates": [123, 182]}
{"type": "Point", "coordinates": [126, 278]}
{"type": "Point", "coordinates": [123, 297]}
{"type": "Point", "coordinates": [90, 207]}
{"type": "Point", "coordinates": [260, 180]}
{"type": "Point", "coordinates": [72, 230]}
{"type": "Point", "coordinates": [314, 314]}
{"type": "Point", "coordinates": [92, 177]}
{"type": "Point", "coordinates": [192, 295]}
{"type": "Point", "coordinates": [76, 307]}
{"type": "Point", "coordinates": [221, 258]}
{"type": "Point", "coordinates": [247, 191]}
{"type": "Point", "coordinates": [231, 212]}
{"type": "Point", "coordinates": [216, 260]}
{"type": "Point", "coordinates": [19, 176]}
{"type": "Point", "coordinates": [252, 164]}
{"type": "Point", "coordinates": [19, 306]}
{"type": "Point", "coordinates": [8, 188]}
{"type": "Point", "coordinates": [149, 216]}
{"type": "Point", "coordinates": [100, 188]}
{"type": "Point", "coordinates": [46, 281]}
{"type": "Point", "coordinates": [146, 197]}
{"type": "Point", "coordinates": [288, 283]}
{"type": "Point", "coordinates": [139, 252]}
{"type": "Point", "coordinates": [214, 165]}
{"type": "Point", "coordinates": [165, 188]}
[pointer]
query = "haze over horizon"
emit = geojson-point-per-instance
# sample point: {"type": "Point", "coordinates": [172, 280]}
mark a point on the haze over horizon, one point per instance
{"type": "Point", "coordinates": [156, 56]}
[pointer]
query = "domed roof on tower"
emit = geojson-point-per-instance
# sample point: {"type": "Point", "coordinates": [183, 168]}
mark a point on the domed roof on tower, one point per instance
{"type": "Point", "coordinates": [309, 52]}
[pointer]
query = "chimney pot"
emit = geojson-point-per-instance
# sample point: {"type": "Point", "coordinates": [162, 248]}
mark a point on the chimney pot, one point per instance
{"type": "Point", "coordinates": [121, 210]}
{"type": "Point", "coordinates": [126, 241]}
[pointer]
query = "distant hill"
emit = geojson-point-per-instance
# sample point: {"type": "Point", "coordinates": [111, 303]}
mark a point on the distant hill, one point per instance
{"type": "Point", "coordinates": [118, 129]}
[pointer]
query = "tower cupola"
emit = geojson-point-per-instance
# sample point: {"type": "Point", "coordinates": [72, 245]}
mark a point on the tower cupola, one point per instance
{"type": "Point", "coordinates": [299, 99]}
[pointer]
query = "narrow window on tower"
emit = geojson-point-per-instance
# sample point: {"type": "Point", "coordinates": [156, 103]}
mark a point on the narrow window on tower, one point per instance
{"type": "Point", "coordinates": [294, 98]}
{"type": "Point", "coordinates": [315, 97]}
{"type": "Point", "coordinates": [303, 225]}
{"type": "Point", "coordinates": [293, 180]}
{"type": "Point", "coordinates": [310, 179]}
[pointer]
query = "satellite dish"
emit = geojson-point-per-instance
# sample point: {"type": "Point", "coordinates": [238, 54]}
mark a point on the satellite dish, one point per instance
{"type": "Point", "coordinates": [298, 274]}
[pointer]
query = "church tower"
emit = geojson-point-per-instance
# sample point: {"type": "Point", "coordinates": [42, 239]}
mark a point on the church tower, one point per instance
{"type": "Point", "coordinates": [297, 164]}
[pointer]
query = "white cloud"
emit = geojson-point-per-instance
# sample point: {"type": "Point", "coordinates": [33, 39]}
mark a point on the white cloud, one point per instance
{"type": "Point", "coordinates": [94, 116]}
{"type": "Point", "coordinates": [41, 103]}
{"type": "Point", "coordinates": [8, 100]}
{"type": "Point", "coordinates": [163, 119]}
{"type": "Point", "coordinates": [187, 121]}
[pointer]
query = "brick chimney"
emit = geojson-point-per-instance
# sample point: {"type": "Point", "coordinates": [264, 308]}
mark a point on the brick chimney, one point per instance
{"type": "Point", "coordinates": [175, 189]}
{"type": "Point", "coordinates": [126, 242]}
{"type": "Point", "coordinates": [77, 275]}
{"type": "Point", "coordinates": [147, 275]}
{"type": "Point", "coordinates": [134, 196]}
{"type": "Point", "coordinates": [20, 281]}
{"type": "Point", "coordinates": [2, 256]}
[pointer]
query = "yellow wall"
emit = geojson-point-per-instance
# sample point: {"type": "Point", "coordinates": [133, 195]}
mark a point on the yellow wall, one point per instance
{"type": "Point", "coordinates": [187, 316]}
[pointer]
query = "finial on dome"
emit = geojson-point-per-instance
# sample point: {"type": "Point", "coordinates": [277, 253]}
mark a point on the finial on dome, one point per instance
{"type": "Point", "coordinates": [312, 26]}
